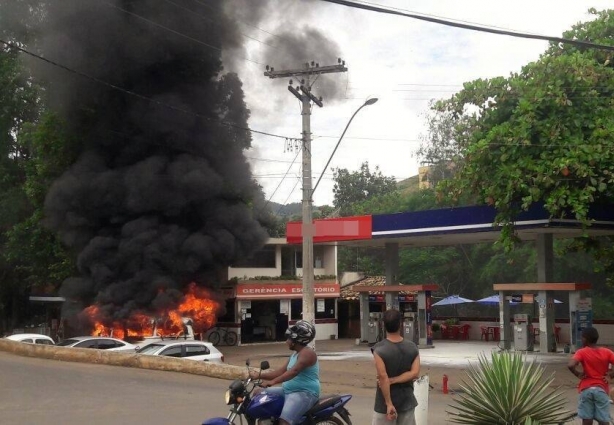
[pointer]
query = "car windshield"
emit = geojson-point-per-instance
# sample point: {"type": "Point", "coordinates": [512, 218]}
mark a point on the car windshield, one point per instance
{"type": "Point", "coordinates": [149, 349]}
{"type": "Point", "coordinates": [67, 342]}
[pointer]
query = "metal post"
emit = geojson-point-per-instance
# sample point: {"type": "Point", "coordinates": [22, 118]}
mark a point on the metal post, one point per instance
{"type": "Point", "coordinates": [307, 226]}
{"type": "Point", "coordinates": [303, 93]}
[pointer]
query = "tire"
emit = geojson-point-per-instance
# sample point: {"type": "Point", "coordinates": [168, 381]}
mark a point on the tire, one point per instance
{"type": "Point", "coordinates": [333, 420]}
{"type": "Point", "coordinates": [214, 338]}
{"type": "Point", "coordinates": [231, 338]}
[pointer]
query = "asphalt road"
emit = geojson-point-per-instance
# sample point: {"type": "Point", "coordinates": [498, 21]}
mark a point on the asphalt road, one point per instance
{"type": "Point", "coordinates": [39, 391]}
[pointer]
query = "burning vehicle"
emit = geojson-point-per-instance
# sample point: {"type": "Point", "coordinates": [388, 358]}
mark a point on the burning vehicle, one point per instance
{"type": "Point", "coordinates": [196, 313]}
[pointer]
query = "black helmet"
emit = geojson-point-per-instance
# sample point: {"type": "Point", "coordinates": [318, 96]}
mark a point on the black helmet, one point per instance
{"type": "Point", "coordinates": [301, 332]}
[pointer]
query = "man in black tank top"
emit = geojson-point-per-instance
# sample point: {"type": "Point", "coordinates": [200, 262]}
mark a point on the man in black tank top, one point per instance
{"type": "Point", "coordinates": [397, 362]}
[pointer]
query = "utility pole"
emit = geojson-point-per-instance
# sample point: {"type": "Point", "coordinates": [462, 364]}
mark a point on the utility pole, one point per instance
{"type": "Point", "coordinates": [303, 93]}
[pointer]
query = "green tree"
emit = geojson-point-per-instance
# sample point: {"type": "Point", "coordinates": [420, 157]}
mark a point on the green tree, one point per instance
{"type": "Point", "coordinates": [441, 147]}
{"type": "Point", "coordinates": [19, 102]}
{"type": "Point", "coordinates": [541, 135]}
{"type": "Point", "coordinates": [355, 186]}
{"type": "Point", "coordinates": [34, 250]}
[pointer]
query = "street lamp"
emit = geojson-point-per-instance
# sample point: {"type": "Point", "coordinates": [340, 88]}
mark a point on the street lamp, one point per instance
{"type": "Point", "coordinates": [367, 103]}
{"type": "Point", "coordinates": [308, 228]}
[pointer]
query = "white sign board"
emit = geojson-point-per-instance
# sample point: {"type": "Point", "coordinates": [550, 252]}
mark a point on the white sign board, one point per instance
{"type": "Point", "coordinates": [320, 306]}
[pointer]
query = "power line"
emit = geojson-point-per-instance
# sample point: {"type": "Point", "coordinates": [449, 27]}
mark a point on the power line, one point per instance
{"type": "Point", "coordinates": [136, 15]}
{"type": "Point", "coordinates": [458, 87]}
{"type": "Point", "coordinates": [282, 180]}
{"type": "Point", "coordinates": [268, 160]}
{"type": "Point", "coordinates": [214, 21]}
{"type": "Point", "coordinates": [248, 24]}
{"type": "Point", "coordinates": [288, 198]}
{"type": "Point", "coordinates": [140, 96]}
{"type": "Point", "coordinates": [442, 17]}
{"type": "Point", "coordinates": [470, 27]}
{"type": "Point", "coordinates": [382, 139]}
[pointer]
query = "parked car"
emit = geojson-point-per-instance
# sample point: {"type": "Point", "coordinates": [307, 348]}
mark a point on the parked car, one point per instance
{"type": "Point", "coordinates": [98, 342]}
{"type": "Point", "coordinates": [32, 339]}
{"type": "Point", "coordinates": [190, 350]}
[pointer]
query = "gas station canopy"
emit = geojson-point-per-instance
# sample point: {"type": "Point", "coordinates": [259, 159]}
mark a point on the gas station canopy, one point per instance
{"type": "Point", "coordinates": [448, 226]}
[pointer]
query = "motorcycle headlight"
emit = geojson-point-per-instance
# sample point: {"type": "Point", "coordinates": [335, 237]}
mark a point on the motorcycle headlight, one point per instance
{"type": "Point", "coordinates": [234, 394]}
{"type": "Point", "coordinates": [228, 397]}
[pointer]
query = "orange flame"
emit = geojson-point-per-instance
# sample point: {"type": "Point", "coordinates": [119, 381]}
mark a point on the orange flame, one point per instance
{"type": "Point", "coordinates": [197, 304]}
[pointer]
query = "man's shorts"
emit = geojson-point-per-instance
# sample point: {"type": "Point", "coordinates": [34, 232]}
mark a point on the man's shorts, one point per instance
{"type": "Point", "coordinates": [295, 404]}
{"type": "Point", "coordinates": [403, 418]}
{"type": "Point", "coordinates": [594, 403]}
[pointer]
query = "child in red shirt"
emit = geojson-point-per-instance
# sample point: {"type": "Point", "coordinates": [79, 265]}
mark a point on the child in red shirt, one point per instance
{"type": "Point", "coordinates": [594, 400]}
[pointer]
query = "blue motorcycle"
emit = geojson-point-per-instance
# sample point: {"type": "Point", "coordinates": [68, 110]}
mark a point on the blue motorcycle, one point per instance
{"type": "Point", "coordinates": [264, 408]}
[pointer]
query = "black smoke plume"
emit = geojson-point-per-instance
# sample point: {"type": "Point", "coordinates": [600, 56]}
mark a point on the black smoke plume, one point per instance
{"type": "Point", "coordinates": [295, 48]}
{"type": "Point", "coordinates": [289, 44]}
{"type": "Point", "coordinates": [161, 194]}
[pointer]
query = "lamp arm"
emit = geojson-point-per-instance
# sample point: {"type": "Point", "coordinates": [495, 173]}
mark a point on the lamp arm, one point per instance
{"type": "Point", "coordinates": [335, 150]}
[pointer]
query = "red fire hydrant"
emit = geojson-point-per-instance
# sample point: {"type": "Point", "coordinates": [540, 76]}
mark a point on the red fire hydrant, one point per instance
{"type": "Point", "coordinates": [445, 384]}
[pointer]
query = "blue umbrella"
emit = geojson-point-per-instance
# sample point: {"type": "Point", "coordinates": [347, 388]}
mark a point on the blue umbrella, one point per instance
{"type": "Point", "coordinates": [537, 300]}
{"type": "Point", "coordinates": [453, 299]}
{"type": "Point", "coordinates": [492, 300]}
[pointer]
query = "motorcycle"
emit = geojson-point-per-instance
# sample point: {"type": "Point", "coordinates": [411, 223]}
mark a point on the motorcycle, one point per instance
{"type": "Point", "coordinates": [263, 408]}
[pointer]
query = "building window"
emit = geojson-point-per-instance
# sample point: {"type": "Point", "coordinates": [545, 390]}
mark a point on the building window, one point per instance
{"type": "Point", "coordinates": [263, 258]}
{"type": "Point", "coordinates": [328, 313]}
{"type": "Point", "coordinates": [318, 258]}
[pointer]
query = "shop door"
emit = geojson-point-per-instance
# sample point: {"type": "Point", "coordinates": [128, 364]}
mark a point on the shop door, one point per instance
{"type": "Point", "coordinates": [281, 325]}
{"type": "Point", "coordinates": [247, 330]}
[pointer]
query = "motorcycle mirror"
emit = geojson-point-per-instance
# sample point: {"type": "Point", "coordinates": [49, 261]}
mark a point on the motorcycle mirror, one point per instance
{"type": "Point", "coordinates": [264, 365]}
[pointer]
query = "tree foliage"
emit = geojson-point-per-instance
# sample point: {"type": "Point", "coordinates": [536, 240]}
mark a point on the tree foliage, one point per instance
{"type": "Point", "coordinates": [541, 135]}
{"type": "Point", "coordinates": [31, 247]}
{"type": "Point", "coordinates": [356, 186]}
{"type": "Point", "coordinates": [441, 147]}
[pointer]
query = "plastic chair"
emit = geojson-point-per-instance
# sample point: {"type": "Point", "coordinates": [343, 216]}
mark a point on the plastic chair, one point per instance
{"type": "Point", "coordinates": [496, 333]}
{"type": "Point", "coordinates": [557, 334]}
{"type": "Point", "coordinates": [455, 331]}
{"type": "Point", "coordinates": [463, 332]}
{"type": "Point", "coordinates": [445, 332]}
{"type": "Point", "coordinates": [484, 333]}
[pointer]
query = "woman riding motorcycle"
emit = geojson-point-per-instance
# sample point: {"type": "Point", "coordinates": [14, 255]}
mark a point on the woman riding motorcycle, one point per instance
{"type": "Point", "coordinates": [300, 376]}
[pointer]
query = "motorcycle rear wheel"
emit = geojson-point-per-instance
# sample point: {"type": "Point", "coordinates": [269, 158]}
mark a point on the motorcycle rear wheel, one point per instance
{"type": "Point", "coordinates": [333, 420]}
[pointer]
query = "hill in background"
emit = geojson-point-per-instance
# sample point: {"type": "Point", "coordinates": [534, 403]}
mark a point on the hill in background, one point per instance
{"type": "Point", "coordinates": [407, 186]}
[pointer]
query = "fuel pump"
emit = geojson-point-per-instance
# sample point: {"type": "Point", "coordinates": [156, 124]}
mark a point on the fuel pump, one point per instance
{"type": "Point", "coordinates": [410, 327]}
{"type": "Point", "coordinates": [523, 333]}
{"type": "Point", "coordinates": [374, 333]}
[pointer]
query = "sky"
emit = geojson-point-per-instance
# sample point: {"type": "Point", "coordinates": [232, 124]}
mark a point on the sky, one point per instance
{"type": "Point", "coordinates": [401, 61]}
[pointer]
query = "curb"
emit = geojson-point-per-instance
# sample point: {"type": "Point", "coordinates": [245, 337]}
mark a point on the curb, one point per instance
{"type": "Point", "coordinates": [113, 358]}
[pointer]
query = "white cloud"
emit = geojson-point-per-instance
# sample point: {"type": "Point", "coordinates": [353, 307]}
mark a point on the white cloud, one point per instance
{"type": "Point", "coordinates": [403, 62]}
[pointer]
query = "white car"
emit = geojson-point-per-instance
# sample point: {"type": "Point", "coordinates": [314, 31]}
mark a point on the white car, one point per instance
{"type": "Point", "coordinates": [32, 339]}
{"type": "Point", "coordinates": [98, 342]}
{"type": "Point", "coordinates": [190, 350]}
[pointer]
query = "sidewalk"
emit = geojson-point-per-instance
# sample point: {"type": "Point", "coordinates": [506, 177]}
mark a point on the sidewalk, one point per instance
{"type": "Point", "coordinates": [456, 354]}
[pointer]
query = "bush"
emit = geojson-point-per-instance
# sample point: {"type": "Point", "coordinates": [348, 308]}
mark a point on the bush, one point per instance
{"type": "Point", "coordinates": [435, 327]}
{"type": "Point", "coordinates": [508, 390]}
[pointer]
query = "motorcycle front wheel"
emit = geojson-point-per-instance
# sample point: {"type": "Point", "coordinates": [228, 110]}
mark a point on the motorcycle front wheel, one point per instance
{"type": "Point", "coordinates": [333, 420]}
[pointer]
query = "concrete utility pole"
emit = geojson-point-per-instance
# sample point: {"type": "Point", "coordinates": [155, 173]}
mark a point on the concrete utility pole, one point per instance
{"type": "Point", "coordinates": [303, 93]}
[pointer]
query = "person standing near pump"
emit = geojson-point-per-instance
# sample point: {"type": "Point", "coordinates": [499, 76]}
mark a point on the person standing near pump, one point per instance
{"type": "Point", "coordinates": [594, 400]}
{"type": "Point", "coordinates": [397, 362]}
{"type": "Point", "coordinates": [300, 376]}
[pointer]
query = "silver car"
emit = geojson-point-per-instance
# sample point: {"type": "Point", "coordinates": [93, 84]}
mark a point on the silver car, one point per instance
{"type": "Point", "coordinates": [32, 339]}
{"type": "Point", "coordinates": [98, 342]}
{"type": "Point", "coordinates": [184, 349]}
